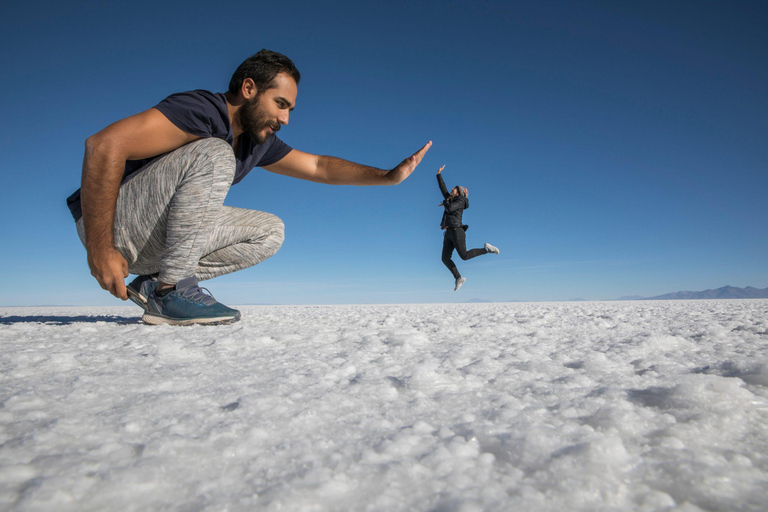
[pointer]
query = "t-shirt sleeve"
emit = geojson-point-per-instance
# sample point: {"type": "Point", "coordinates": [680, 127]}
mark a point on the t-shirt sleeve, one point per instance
{"type": "Point", "coordinates": [275, 153]}
{"type": "Point", "coordinates": [195, 113]}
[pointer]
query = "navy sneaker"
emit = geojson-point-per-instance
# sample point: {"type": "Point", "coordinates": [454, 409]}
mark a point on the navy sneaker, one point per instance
{"type": "Point", "coordinates": [140, 288]}
{"type": "Point", "coordinates": [188, 304]}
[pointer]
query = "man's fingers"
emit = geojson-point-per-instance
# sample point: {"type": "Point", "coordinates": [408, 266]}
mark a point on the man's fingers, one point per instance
{"type": "Point", "coordinates": [120, 291]}
{"type": "Point", "coordinates": [114, 286]}
{"type": "Point", "coordinates": [420, 153]}
{"type": "Point", "coordinates": [415, 159]}
{"type": "Point", "coordinates": [110, 271]}
{"type": "Point", "coordinates": [407, 166]}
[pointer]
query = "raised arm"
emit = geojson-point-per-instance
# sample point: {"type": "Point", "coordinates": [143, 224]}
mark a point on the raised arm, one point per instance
{"type": "Point", "coordinates": [441, 183]}
{"type": "Point", "coordinates": [336, 171]}
{"type": "Point", "coordinates": [143, 135]}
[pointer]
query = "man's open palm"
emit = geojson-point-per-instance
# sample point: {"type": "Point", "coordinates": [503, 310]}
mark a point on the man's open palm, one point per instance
{"type": "Point", "coordinates": [407, 166]}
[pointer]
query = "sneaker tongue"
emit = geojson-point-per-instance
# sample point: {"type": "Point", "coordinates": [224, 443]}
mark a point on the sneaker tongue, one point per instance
{"type": "Point", "coordinates": [189, 289]}
{"type": "Point", "coordinates": [186, 283]}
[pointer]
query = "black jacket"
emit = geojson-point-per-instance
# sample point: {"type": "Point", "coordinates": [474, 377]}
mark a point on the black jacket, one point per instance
{"type": "Point", "coordinates": [454, 207]}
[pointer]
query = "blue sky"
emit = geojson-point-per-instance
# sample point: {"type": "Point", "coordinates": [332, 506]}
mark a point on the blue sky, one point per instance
{"type": "Point", "coordinates": [610, 148]}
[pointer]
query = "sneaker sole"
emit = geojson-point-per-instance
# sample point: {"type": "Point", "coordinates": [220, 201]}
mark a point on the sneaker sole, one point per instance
{"type": "Point", "coordinates": [154, 319]}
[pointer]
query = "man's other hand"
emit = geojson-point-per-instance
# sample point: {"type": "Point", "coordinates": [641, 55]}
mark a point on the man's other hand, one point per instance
{"type": "Point", "coordinates": [110, 269]}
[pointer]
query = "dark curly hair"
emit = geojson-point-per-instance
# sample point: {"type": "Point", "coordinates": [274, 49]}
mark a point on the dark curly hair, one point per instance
{"type": "Point", "coordinates": [262, 68]}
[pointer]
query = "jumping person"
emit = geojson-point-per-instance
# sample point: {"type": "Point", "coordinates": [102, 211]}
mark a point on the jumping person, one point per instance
{"type": "Point", "coordinates": [153, 186]}
{"type": "Point", "coordinates": [455, 202]}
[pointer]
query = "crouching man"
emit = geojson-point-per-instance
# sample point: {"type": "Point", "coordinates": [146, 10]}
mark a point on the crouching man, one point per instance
{"type": "Point", "coordinates": [153, 187]}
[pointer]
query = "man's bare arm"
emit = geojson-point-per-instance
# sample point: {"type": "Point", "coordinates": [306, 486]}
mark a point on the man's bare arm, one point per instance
{"type": "Point", "coordinates": [143, 135]}
{"type": "Point", "coordinates": [336, 171]}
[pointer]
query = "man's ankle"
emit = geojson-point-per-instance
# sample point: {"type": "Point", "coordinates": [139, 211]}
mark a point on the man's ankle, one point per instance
{"type": "Point", "coordinates": [164, 289]}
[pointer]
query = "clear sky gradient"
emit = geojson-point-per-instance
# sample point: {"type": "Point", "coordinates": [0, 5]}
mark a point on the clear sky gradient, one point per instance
{"type": "Point", "coordinates": [609, 148]}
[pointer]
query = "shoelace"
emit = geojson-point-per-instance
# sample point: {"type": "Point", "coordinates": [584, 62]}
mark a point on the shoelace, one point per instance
{"type": "Point", "coordinates": [197, 294]}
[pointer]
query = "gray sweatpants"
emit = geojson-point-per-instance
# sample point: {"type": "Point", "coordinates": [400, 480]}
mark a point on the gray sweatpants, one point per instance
{"type": "Point", "coordinates": [170, 218]}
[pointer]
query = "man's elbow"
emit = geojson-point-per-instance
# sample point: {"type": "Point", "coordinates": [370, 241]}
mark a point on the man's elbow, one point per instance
{"type": "Point", "coordinates": [103, 147]}
{"type": "Point", "coordinates": [103, 160]}
{"type": "Point", "coordinates": [96, 142]}
{"type": "Point", "coordinates": [94, 145]}
{"type": "Point", "coordinates": [90, 144]}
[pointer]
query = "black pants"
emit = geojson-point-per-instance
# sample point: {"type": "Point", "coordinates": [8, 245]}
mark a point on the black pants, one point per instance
{"type": "Point", "coordinates": [455, 238]}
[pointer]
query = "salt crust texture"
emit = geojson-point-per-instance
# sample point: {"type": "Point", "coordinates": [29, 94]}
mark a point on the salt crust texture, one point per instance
{"type": "Point", "coordinates": [602, 406]}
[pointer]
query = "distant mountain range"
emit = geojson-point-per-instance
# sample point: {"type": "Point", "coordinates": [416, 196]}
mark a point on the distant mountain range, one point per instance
{"type": "Point", "coordinates": [726, 292]}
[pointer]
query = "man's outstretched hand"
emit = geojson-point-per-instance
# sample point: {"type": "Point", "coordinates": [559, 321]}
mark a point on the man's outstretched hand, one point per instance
{"type": "Point", "coordinates": [110, 269]}
{"type": "Point", "coordinates": [407, 166]}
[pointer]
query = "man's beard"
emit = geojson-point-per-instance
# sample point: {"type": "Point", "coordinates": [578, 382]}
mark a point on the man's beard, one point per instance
{"type": "Point", "coordinates": [253, 119]}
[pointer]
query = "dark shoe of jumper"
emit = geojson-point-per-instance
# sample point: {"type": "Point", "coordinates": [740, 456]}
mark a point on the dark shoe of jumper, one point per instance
{"type": "Point", "coordinates": [141, 288]}
{"type": "Point", "coordinates": [188, 304]}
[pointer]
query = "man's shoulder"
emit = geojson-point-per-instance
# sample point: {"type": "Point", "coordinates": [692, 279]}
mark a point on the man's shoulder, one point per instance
{"type": "Point", "coordinates": [199, 112]}
{"type": "Point", "coordinates": [196, 97]}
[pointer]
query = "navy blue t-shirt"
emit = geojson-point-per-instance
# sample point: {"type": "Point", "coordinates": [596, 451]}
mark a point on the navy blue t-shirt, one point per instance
{"type": "Point", "coordinates": [205, 114]}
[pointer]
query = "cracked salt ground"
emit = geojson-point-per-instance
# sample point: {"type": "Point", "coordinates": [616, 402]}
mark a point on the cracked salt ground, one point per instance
{"type": "Point", "coordinates": [572, 406]}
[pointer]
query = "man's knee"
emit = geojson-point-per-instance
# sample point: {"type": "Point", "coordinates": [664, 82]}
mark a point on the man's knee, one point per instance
{"type": "Point", "coordinates": [216, 153]}
{"type": "Point", "coordinates": [278, 232]}
{"type": "Point", "coordinates": [271, 235]}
